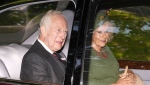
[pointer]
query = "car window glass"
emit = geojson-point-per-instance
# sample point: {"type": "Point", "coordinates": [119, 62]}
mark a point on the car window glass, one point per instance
{"type": "Point", "coordinates": [130, 38]}
{"type": "Point", "coordinates": [131, 42]}
{"type": "Point", "coordinates": [17, 24]}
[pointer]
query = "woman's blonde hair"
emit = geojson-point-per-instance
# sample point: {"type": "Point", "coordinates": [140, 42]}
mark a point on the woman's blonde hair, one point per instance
{"type": "Point", "coordinates": [109, 24]}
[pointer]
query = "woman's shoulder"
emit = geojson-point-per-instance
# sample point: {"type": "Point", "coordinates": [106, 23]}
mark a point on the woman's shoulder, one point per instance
{"type": "Point", "coordinates": [106, 48]}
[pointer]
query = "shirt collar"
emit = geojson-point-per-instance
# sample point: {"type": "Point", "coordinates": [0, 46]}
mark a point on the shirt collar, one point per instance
{"type": "Point", "coordinates": [45, 46]}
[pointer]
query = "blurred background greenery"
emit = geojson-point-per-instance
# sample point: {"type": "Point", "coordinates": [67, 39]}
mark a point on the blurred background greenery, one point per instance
{"type": "Point", "coordinates": [132, 42]}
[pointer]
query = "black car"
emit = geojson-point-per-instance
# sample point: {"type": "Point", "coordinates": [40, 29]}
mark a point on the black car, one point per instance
{"type": "Point", "coordinates": [19, 21]}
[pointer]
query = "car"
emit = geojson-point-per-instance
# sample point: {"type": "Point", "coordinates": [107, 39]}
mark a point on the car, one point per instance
{"type": "Point", "coordinates": [131, 44]}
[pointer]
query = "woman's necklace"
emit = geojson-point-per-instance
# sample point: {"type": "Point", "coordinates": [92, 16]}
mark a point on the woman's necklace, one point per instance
{"type": "Point", "coordinates": [102, 53]}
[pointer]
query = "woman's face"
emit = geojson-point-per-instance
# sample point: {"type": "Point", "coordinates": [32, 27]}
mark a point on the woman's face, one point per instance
{"type": "Point", "coordinates": [100, 36]}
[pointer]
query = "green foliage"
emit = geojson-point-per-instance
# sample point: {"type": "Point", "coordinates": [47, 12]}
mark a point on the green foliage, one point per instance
{"type": "Point", "coordinates": [132, 42]}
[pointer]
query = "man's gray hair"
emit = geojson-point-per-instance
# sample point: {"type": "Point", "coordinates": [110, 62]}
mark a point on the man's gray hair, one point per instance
{"type": "Point", "coordinates": [46, 20]}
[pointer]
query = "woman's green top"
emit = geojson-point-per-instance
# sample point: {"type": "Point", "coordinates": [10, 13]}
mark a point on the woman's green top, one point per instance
{"type": "Point", "coordinates": [103, 71]}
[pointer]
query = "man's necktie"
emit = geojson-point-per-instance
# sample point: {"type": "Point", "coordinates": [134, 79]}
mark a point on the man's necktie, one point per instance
{"type": "Point", "coordinates": [57, 57]}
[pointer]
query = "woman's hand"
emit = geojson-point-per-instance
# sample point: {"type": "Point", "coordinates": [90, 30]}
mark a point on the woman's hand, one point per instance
{"type": "Point", "coordinates": [125, 81]}
{"type": "Point", "coordinates": [127, 73]}
{"type": "Point", "coordinates": [126, 78]}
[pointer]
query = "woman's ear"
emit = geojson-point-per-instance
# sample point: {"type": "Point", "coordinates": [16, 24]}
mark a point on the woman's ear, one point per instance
{"type": "Point", "coordinates": [43, 31]}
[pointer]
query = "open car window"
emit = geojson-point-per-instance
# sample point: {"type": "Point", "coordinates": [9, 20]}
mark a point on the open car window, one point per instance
{"type": "Point", "coordinates": [19, 25]}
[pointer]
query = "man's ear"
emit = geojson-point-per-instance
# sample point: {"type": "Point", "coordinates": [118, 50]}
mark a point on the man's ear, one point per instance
{"type": "Point", "coordinates": [43, 31]}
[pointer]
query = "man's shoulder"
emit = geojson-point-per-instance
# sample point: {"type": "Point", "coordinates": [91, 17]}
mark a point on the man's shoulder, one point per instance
{"type": "Point", "coordinates": [35, 51]}
{"type": "Point", "coordinates": [36, 48]}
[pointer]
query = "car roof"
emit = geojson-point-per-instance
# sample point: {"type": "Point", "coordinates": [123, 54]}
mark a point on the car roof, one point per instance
{"type": "Point", "coordinates": [9, 4]}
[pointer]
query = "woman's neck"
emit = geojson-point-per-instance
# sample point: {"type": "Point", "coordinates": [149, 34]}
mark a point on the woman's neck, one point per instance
{"type": "Point", "coordinates": [97, 48]}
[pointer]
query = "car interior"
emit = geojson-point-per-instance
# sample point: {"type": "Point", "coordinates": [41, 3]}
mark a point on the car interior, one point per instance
{"type": "Point", "coordinates": [16, 51]}
{"type": "Point", "coordinates": [11, 55]}
{"type": "Point", "coordinates": [4, 72]}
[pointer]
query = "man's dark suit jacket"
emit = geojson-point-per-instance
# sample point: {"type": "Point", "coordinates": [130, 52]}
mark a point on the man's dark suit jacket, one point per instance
{"type": "Point", "coordinates": [39, 65]}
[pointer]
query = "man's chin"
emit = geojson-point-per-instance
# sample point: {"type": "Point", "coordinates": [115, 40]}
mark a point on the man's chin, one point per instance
{"type": "Point", "coordinates": [58, 48]}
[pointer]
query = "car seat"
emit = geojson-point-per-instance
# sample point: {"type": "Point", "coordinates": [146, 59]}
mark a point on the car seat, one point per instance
{"type": "Point", "coordinates": [11, 58]}
{"type": "Point", "coordinates": [3, 71]}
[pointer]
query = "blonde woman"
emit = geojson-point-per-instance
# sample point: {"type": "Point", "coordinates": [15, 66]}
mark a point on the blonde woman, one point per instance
{"type": "Point", "coordinates": [104, 68]}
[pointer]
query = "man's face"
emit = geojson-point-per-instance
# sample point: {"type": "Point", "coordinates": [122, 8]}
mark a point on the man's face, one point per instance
{"type": "Point", "coordinates": [57, 33]}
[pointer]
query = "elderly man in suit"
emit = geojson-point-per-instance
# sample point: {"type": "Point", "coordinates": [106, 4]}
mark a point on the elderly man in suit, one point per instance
{"type": "Point", "coordinates": [39, 64]}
